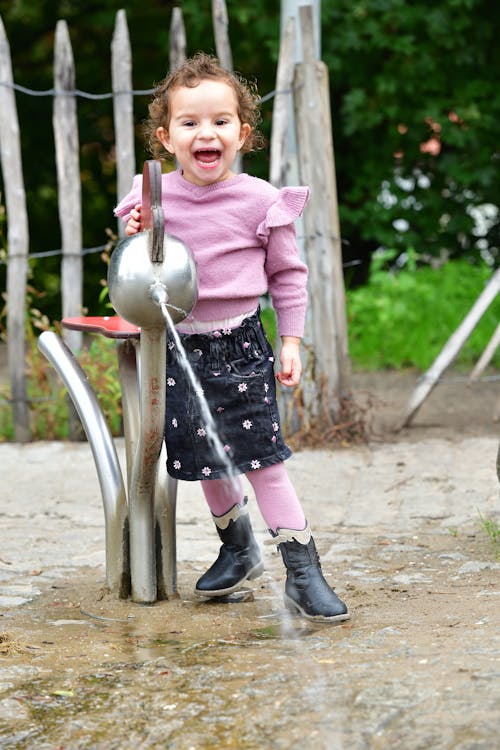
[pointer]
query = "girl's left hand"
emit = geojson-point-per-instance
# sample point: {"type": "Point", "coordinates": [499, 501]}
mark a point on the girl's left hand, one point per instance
{"type": "Point", "coordinates": [134, 223]}
{"type": "Point", "coordinates": [291, 366]}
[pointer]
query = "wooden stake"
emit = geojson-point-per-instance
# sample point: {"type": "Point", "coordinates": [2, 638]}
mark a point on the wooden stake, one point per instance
{"type": "Point", "coordinates": [17, 240]}
{"type": "Point", "coordinates": [451, 349]}
{"type": "Point", "coordinates": [123, 108]}
{"type": "Point", "coordinates": [65, 125]}
{"type": "Point", "coordinates": [486, 356]}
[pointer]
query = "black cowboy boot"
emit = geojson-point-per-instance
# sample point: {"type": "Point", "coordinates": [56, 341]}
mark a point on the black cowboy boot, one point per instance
{"type": "Point", "coordinates": [239, 557]}
{"type": "Point", "coordinates": [306, 590]}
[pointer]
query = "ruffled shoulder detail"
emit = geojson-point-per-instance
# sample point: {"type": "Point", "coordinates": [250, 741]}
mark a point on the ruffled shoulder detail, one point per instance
{"type": "Point", "coordinates": [133, 197]}
{"type": "Point", "coordinates": [288, 205]}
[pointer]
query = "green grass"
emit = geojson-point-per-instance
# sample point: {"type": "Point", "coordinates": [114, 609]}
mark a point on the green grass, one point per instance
{"type": "Point", "coordinates": [492, 531]}
{"type": "Point", "coordinates": [403, 319]}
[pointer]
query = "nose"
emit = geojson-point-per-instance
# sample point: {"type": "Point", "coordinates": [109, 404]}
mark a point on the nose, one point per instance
{"type": "Point", "coordinates": [206, 130]}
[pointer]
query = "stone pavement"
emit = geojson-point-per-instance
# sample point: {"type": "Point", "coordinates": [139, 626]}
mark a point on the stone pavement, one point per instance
{"type": "Point", "coordinates": [52, 524]}
{"type": "Point", "coordinates": [398, 529]}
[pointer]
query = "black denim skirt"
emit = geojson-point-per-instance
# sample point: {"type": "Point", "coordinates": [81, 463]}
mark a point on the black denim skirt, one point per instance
{"type": "Point", "coordinates": [234, 368]}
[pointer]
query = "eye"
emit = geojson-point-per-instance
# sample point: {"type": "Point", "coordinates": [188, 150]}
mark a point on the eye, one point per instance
{"type": "Point", "coordinates": [188, 123]}
{"type": "Point", "coordinates": [220, 122]}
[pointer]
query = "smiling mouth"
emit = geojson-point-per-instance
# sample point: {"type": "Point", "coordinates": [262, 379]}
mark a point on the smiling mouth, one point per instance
{"type": "Point", "coordinates": [208, 156]}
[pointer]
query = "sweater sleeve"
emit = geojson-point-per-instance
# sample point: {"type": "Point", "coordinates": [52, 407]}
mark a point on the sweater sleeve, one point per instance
{"type": "Point", "coordinates": [287, 207]}
{"type": "Point", "coordinates": [133, 197]}
{"type": "Point", "coordinates": [286, 273]}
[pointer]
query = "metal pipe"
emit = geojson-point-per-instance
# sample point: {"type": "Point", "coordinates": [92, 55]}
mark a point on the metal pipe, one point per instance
{"type": "Point", "coordinates": [128, 352]}
{"type": "Point", "coordinates": [165, 493]}
{"type": "Point", "coordinates": [143, 480]}
{"type": "Point", "coordinates": [165, 514]}
{"type": "Point", "coordinates": [105, 458]}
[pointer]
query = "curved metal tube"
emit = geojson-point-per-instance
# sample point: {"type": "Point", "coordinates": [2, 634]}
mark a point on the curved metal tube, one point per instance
{"type": "Point", "coordinates": [105, 458]}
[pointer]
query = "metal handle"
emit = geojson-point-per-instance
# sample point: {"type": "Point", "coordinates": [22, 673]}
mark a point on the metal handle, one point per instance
{"type": "Point", "coordinates": [152, 216]}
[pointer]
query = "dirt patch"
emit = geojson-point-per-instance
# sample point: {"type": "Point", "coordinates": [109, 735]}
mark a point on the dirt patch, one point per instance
{"type": "Point", "coordinates": [456, 407]}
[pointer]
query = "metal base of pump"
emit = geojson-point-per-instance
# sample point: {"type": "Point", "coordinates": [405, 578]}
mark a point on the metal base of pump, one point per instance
{"type": "Point", "coordinates": [139, 513]}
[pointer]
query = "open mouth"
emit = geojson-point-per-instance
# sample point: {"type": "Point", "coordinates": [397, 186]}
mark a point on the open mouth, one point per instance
{"type": "Point", "coordinates": [208, 156]}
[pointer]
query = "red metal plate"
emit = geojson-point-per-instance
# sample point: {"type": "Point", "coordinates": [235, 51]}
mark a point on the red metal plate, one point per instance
{"type": "Point", "coordinates": [111, 326]}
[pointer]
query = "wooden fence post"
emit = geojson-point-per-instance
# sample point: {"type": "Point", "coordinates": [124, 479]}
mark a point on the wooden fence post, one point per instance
{"type": "Point", "coordinates": [123, 108]}
{"type": "Point", "coordinates": [177, 39]}
{"type": "Point", "coordinates": [17, 239]}
{"type": "Point", "coordinates": [220, 23]}
{"type": "Point", "coordinates": [323, 244]}
{"type": "Point", "coordinates": [281, 108]}
{"type": "Point", "coordinates": [65, 125]}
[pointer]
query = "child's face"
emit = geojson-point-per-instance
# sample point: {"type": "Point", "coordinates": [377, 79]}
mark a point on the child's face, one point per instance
{"type": "Point", "coordinates": [204, 132]}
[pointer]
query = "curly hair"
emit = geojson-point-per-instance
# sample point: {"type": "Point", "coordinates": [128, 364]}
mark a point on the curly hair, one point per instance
{"type": "Point", "coordinates": [190, 73]}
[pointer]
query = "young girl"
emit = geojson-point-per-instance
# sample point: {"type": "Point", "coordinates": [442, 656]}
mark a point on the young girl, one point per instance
{"type": "Point", "coordinates": [241, 232]}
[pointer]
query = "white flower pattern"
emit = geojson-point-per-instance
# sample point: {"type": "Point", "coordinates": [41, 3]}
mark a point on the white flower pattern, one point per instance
{"type": "Point", "coordinates": [252, 399]}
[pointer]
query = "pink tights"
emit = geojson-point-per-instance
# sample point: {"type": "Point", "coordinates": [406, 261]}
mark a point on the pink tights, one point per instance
{"type": "Point", "coordinates": [276, 497]}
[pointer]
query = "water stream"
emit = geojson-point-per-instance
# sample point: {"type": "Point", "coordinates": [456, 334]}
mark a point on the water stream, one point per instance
{"type": "Point", "coordinates": [208, 420]}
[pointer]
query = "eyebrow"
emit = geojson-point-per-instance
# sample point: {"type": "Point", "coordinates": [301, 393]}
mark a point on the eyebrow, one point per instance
{"type": "Point", "coordinates": [190, 116]}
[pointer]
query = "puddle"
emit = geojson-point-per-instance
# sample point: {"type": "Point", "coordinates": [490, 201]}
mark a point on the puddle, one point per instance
{"type": "Point", "coordinates": [81, 670]}
{"type": "Point", "coordinates": [163, 691]}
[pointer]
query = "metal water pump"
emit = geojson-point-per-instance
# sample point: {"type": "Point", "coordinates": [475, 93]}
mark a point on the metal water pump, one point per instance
{"type": "Point", "coordinates": [149, 271]}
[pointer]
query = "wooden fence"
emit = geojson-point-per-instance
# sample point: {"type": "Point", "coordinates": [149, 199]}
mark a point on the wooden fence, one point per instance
{"type": "Point", "coordinates": [327, 375]}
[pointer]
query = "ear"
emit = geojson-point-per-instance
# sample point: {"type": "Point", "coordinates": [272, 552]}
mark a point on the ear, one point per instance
{"type": "Point", "coordinates": [245, 131]}
{"type": "Point", "coordinates": [164, 138]}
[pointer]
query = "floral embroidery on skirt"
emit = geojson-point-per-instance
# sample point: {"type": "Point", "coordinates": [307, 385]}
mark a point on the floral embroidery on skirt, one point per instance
{"type": "Point", "coordinates": [236, 372]}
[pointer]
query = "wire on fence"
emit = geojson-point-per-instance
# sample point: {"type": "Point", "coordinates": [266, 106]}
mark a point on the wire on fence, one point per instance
{"type": "Point", "coordinates": [102, 248]}
{"type": "Point", "coordinates": [107, 94]}
{"type": "Point", "coordinates": [87, 95]}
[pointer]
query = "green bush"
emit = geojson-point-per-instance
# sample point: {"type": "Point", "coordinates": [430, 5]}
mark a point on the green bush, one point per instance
{"type": "Point", "coordinates": [403, 318]}
{"type": "Point", "coordinates": [49, 402]}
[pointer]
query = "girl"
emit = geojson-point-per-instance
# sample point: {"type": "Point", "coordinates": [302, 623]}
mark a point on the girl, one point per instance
{"type": "Point", "coordinates": [241, 232]}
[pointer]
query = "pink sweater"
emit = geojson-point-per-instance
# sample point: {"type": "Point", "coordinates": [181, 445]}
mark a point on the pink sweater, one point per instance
{"type": "Point", "coordinates": [242, 236]}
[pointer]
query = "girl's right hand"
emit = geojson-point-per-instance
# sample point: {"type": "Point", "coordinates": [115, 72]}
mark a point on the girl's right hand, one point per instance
{"type": "Point", "coordinates": [134, 222]}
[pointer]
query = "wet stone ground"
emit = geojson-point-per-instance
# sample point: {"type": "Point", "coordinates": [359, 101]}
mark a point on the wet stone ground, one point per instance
{"type": "Point", "coordinates": [417, 667]}
{"type": "Point", "coordinates": [399, 528]}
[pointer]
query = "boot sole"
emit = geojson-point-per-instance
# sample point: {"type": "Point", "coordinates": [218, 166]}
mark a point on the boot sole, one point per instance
{"type": "Point", "coordinates": [297, 609]}
{"type": "Point", "coordinates": [254, 572]}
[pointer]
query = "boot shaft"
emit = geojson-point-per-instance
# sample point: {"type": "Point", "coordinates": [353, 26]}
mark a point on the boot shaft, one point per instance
{"type": "Point", "coordinates": [234, 527]}
{"type": "Point", "coordinates": [297, 556]}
